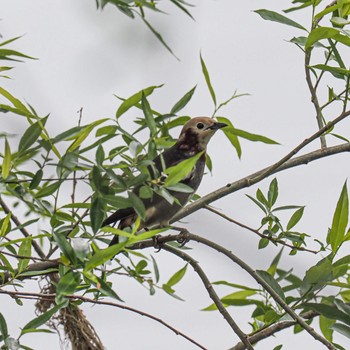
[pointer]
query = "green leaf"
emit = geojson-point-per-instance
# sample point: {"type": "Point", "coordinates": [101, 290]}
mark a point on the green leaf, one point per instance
{"type": "Point", "coordinates": [83, 134]}
{"type": "Point", "coordinates": [147, 111]}
{"type": "Point", "coordinates": [329, 311]}
{"type": "Point", "coordinates": [183, 101]}
{"type": "Point", "coordinates": [249, 136]}
{"type": "Point", "coordinates": [328, 9]}
{"type": "Point", "coordinates": [6, 163]}
{"type": "Point", "coordinates": [207, 80]}
{"type": "Point", "coordinates": [326, 327]}
{"type": "Point", "coordinates": [31, 135]}
{"type": "Point", "coordinates": [42, 319]}
{"type": "Point", "coordinates": [271, 282]}
{"type": "Point", "coordinates": [335, 70]}
{"type": "Point", "coordinates": [263, 243]}
{"type": "Point", "coordinates": [65, 247]}
{"type": "Point", "coordinates": [273, 267]}
{"type": "Point", "coordinates": [179, 171]}
{"type": "Point", "coordinates": [5, 225]}
{"type": "Point", "coordinates": [137, 205]}
{"type": "Point", "coordinates": [318, 275]}
{"type": "Point", "coordinates": [100, 155]}
{"type": "Point", "coordinates": [36, 179]}
{"type": "Point", "coordinates": [16, 103]}
{"type": "Point", "coordinates": [48, 190]}
{"type": "Point", "coordinates": [158, 36]}
{"type": "Point", "coordinates": [3, 327]}
{"type": "Point", "coordinates": [278, 347]}
{"type": "Point", "coordinates": [342, 329]}
{"type": "Point", "coordinates": [231, 137]}
{"type": "Point", "coordinates": [336, 234]}
{"type": "Point", "coordinates": [295, 218]}
{"type": "Point", "coordinates": [97, 213]}
{"type": "Point", "coordinates": [104, 255]}
{"type": "Point", "coordinates": [320, 33]}
{"type": "Point", "coordinates": [177, 276]}
{"type": "Point", "coordinates": [273, 192]}
{"type": "Point", "coordinates": [106, 289]}
{"type": "Point", "coordinates": [276, 17]}
{"type": "Point", "coordinates": [67, 284]}
{"type": "Point", "coordinates": [25, 249]}
{"type": "Point", "coordinates": [242, 294]}
{"type": "Point", "coordinates": [134, 100]}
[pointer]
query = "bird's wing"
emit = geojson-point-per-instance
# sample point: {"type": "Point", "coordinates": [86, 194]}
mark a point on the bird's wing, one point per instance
{"type": "Point", "coordinates": [120, 214]}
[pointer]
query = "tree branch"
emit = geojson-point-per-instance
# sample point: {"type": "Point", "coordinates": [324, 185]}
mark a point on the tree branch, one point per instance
{"type": "Point", "coordinates": [314, 98]}
{"type": "Point", "coordinates": [19, 294]}
{"type": "Point", "coordinates": [265, 285]}
{"type": "Point", "coordinates": [283, 164]}
{"type": "Point", "coordinates": [261, 235]}
{"type": "Point", "coordinates": [25, 233]}
{"type": "Point", "coordinates": [271, 330]}
{"type": "Point", "coordinates": [208, 286]}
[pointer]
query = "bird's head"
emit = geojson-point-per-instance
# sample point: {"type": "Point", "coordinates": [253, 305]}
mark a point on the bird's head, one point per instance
{"type": "Point", "coordinates": [197, 132]}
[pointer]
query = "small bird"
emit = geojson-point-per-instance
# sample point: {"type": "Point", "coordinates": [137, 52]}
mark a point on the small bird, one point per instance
{"type": "Point", "coordinates": [193, 139]}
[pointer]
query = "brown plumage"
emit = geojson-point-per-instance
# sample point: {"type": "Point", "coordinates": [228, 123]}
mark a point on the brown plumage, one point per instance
{"type": "Point", "coordinates": [193, 139]}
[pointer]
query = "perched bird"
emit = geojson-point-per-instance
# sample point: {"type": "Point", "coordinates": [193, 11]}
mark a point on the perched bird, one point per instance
{"type": "Point", "coordinates": [193, 139]}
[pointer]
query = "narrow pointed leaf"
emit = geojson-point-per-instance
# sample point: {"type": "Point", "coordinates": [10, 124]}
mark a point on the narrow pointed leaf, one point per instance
{"type": "Point", "coordinates": [97, 213]}
{"type": "Point", "coordinates": [134, 100]}
{"type": "Point", "coordinates": [340, 220]}
{"type": "Point", "coordinates": [147, 112]}
{"type": "Point", "coordinates": [231, 136]}
{"type": "Point", "coordinates": [104, 255]}
{"type": "Point", "coordinates": [183, 101]}
{"type": "Point", "coordinates": [31, 135]}
{"type": "Point", "coordinates": [179, 171]}
{"type": "Point", "coordinates": [276, 17]}
{"type": "Point", "coordinates": [272, 282]}
{"type": "Point", "coordinates": [207, 80]}
{"type": "Point", "coordinates": [6, 163]}
{"type": "Point", "coordinates": [295, 218]}
{"type": "Point", "coordinates": [42, 319]}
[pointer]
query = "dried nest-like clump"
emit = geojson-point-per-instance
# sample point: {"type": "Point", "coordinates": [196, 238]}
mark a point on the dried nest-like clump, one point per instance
{"type": "Point", "coordinates": [77, 329]}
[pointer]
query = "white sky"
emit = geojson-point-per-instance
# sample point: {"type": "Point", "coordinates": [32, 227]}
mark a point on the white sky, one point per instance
{"type": "Point", "coordinates": [86, 56]}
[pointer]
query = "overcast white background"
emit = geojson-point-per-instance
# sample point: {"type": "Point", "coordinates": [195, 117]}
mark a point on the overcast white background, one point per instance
{"type": "Point", "coordinates": [86, 56]}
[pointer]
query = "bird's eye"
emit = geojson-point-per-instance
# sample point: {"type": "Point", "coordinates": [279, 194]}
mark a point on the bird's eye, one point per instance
{"type": "Point", "coordinates": [200, 125]}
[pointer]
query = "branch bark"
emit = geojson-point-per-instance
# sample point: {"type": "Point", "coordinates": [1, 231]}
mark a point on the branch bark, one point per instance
{"type": "Point", "coordinates": [50, 297]}
{"type": "Point", "coordinates": [284, 164]}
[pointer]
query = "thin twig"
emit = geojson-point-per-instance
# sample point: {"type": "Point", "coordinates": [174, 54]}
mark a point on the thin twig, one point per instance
{"type": "Point", "coordinates": [261, 235]}
{"type": "Point", "coordinates": [283, 164]}
{"type": "Point", "coordinates": [314, 98]}
{"type": "Point", "coordinates": [19, 294]}
{"type": "Point", "coordinates": [273, 329]}
{"type": "Point", "coordinates": [51, 179]}
{"type": "Point", "coordinates": [209, 287]}
{"type": "Point", "coordinates": [25, 233]}
{"type": "Point", "coordinates": [26, 257]}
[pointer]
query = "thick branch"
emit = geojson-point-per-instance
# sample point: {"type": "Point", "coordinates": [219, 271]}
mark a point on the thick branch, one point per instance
{"type": "Point", "coordinates": [211, 292]}
{"type": "Point", "coordinates": [251, 272]}
{"type": "Point", "coordinates": [265, 285]}
{"type": "Point", "coordinates": [260, 175]}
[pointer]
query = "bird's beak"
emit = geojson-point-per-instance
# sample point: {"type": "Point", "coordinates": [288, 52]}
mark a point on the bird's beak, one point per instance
{"type": "Point", "coordinates": [217, 126]}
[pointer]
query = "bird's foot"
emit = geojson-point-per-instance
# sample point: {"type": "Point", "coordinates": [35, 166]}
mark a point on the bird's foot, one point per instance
{"type": "Point", "coordinates": [156, 243]}
{"type": "Point", "coordinates": [183, 237]}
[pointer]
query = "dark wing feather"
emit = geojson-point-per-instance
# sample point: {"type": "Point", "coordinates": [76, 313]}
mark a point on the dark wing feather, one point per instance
{"type": "Point", "coordinates": [120, 214]}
